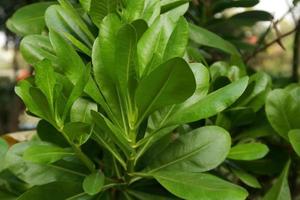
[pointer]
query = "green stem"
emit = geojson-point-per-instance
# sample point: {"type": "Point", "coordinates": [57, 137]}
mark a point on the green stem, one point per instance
{"type": "Point", "coordinates": [84, 159]}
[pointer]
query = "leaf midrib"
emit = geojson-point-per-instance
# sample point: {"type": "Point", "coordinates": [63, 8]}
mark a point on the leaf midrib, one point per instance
{"type": "Point", "coordinates": [181, 158]}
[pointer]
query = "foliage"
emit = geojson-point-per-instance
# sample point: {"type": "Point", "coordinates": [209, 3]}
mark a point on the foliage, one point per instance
{"type": "Point", "coordinates": [130, 109]}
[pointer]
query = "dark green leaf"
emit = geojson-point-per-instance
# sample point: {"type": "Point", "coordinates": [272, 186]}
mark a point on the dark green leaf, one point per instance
{"type": "Point", "coordinates": [171, 83]}
{"type": "Point", "coordinates": [48, 133]}
{"type": "Point", "coordinates": [51, 191]}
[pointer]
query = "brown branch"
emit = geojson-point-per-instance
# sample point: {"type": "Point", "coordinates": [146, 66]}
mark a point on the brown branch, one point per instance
{"type": "Point", "coordinates": [270, 44]}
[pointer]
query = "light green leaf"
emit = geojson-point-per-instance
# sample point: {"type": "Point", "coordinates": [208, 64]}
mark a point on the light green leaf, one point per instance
{"type": "Point", "coordinates": [204, 37]}
{"type": "Point", "coordinates": [250, 151]}
{"type": "Point", "coordinates": [178, 40]}
{"type": "Point", "coordinates": [200, 150]}
{"type": "Point", "coordinates": [134, 10]}
{"type": "Point", "coordinates": [171, 83]}
{"type": "Point", "coordinates": [151, 11]}
{"type": "Point", "coordinates": [210, 105]}
{"type": "Point", "coordinates": [81, 110]}
{"type": "Point", "coordinates": [195, 186]}
{"type": "Point", "coordinates": [280, 190]}
{"type": "Point", "coordinates": [45, 153]}
{"type": "Point", "coordinates": [3, 149]}
{"type": "Point", "coordinates": [174, 9]}
{"type": "Point", "coordinates": [69, 61]}
{"type": "Point", "coordinates": [283, 109]}
{"type": "Point", "coordinates": [45, 80]}
{"type": "Point", "coordinates": [77, 90]}
{"type": "Point", "coordinates": [152, 44]}
{"type": "Point", "coordinates": [126, 44]}
{"type": "Point", "coordinates": [29, 19]}
{"type": "Point", "coordinates": [247, 178]}
{"type": "Point", "coordinates": [98, 9]}
{"type": "Point", "coordinates": [93, 183]}
{"type": "Point", "coordinates": [103, 58]}
{"type": "Point", "coordinates": [294, 138]}
{"type": "Point", "coordinates": [35, 48]}
{"type": "Point", "coordinates": [44, 109]}
{"type": "Point", "coordinates": [23, 91]}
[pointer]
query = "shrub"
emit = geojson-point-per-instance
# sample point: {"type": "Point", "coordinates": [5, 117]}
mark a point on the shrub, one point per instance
{"type": "Point", "coordinates": [127, 114]}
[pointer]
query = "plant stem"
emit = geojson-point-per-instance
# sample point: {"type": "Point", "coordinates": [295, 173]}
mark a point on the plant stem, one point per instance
{"type": "Point", "coordinates": [84, 159]}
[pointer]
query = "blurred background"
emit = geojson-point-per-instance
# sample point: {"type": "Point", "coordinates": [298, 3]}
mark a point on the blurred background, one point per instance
{"type": "Point", "coordinates": [266, 32]}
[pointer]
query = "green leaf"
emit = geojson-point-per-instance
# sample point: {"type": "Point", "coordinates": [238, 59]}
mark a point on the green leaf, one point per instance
{"type": "Point", "coordinates": [3, 148]}
{"type": "Point", "coordinates": [282, 110]}
{"type": "Point", "coordinates": [35, 48]}
{"type": "Point", "coordinates": [98, 9]}
{"type": "Point", "coordinates": [45, 79]}
{"type": "Point", "coordinates": [204, 37]}
{"type": "Point", "coordinates": [250, 151]}
{"type": "Point", "coordinates": [66, 19]}
{"type": "Point", "coordinates": [200, 150]}
{"type": "Point", "coordinates": [247, 178]}
{"type": "Point", "coordinates": [152, 44]}
{"type": "Point", "coordinates": [78, 132]}
{"type": "Point", "coordinates": [171, 83]}
{"type": "Point", "coordinates": [294, 138]}
{"type": "Point", "coordinates": [210, 105]}
{"type": "Point", "coordinates": [174, 9]}
{"type": "Point", "coordinates": [81, 110]}
{"type": "Point", "coordinates": [93, 183]}
{"type": "Point", "coordinates": [70, 62]}
{"type": "Point", "coordinates": [126, 44]}
{"type": "Point", "coordinates": [23, 91]}
{"type": "Point", "coordinates": [42, 104]}
{"type": "Point", "coordinates": [48, 133]}
{"type": "Point", "coordinates": [39, 174]}
{"type": "Point", "coordinates": [115, 134]}
{"type": "Point", "coordinates": [195, 186]}
{"type": "Point", "coordinates": [77, 90]}
{"type": "Point", "coordinates": [54, 190]}
{"type": "Point", "coordinates": [151, 11]}
{"type": "Point", "coordinates": [178, 41]}
{"type": "Point", "coordinates": [280, 190]}
{"type": "Point", "coordinates": [170, 5]}
{"type": "Point", "coordinates": [103, 58]}
{"type": "Point", "coordinates": [133, 10]}
{"type": "Point", "coordinates": [258, 87]}
{"type": "Point", "coordinates": [29, 19]}
{"type": "Point", "coordinates": [45, 153]}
